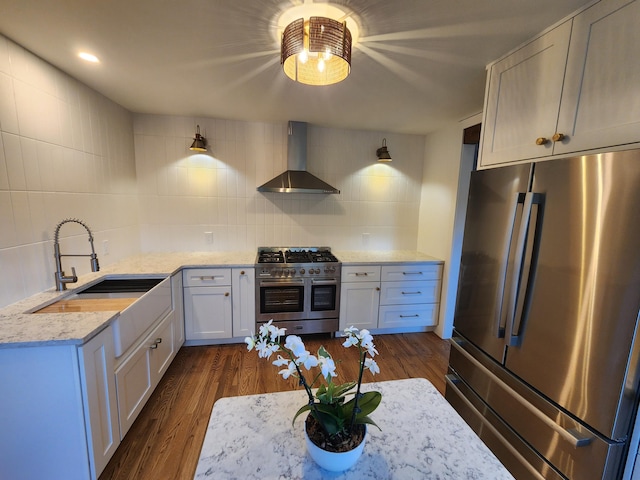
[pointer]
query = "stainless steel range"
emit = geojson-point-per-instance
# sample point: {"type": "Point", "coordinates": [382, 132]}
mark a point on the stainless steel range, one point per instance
{"type": "Point", "coordinates": [299, 288]}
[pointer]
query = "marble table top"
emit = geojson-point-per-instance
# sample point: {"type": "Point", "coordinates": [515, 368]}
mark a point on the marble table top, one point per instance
{"type": "Point", "coordinates": [422, 437]}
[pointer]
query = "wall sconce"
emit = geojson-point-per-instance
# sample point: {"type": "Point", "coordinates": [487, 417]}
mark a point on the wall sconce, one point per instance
{"type": "Point", "coordinates": [382, 153]}
{"type": "Point", "coordinates": [199, 142]}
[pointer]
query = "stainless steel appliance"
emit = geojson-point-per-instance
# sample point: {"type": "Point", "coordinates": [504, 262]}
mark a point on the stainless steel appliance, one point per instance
{"type": "Point", "coordinates": [298, 288]}
{"type": "Point", "coordinates": [544, 358]}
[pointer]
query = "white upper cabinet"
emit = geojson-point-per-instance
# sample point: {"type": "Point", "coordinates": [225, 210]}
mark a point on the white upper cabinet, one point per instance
{"type": "Point", "coordinates": [601, 97]}
{"type": "Point", "coordinates": [573, 89]}
{"type": "Point", "coordinates": [523, 97]}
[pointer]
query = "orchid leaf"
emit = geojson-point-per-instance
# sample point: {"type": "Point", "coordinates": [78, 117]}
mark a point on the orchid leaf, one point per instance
{"type": "Point", "coordinates": [369, 401]}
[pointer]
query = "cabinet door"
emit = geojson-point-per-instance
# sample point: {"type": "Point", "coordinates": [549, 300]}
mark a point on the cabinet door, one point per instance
{"type": "Point", "coordinates": [601, 98]}
{"type": "Point", "coordinates": [135, 385]}
{"type": "Point", "coordinates": [523, 99]}
{"type": "Point", "coordinates": [359, 305]}
{"type": "Point", "coordinates": [163, 348]}
{"type": "Point", "coordinates": [207, 312]}
{"type": "Point", "coordinates": [101, 406]}
{"type": "Point", "coordinates": [244, 301]}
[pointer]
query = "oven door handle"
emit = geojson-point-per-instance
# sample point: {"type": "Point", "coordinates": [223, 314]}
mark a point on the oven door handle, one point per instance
{"type": "Point", "coordinates": [283, 282]}
{"type": "Point", "coordinates": [324, 282]}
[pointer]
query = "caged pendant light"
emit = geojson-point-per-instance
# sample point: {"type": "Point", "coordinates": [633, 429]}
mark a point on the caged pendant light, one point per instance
{"type": "Point", "coordinates": [316, 51]}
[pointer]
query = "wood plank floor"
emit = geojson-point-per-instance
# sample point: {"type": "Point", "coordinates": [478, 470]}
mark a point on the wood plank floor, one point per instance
{"type": "Point", "coordinates": [165, 440]}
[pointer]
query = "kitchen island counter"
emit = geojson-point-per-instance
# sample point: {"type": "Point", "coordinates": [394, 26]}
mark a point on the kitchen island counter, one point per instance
{"type": "Point", "coordinates": [421, 436]}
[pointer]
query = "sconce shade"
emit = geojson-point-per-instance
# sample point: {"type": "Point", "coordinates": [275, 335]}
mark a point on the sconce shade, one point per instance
{"type": "Point", "coordinates": [199, 142]}
{"type": "Point", "coordinates": [383, 153]}
{"type": "Point", "coordinates": [317, 51]}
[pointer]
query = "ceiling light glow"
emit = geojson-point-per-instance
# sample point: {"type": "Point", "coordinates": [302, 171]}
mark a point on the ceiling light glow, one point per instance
{"type": "Point", "coordinates": [89, 57]}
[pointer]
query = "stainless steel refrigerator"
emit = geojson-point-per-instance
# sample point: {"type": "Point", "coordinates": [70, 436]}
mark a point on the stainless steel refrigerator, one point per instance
{"type": "Point", "coordinates": [545, 355]}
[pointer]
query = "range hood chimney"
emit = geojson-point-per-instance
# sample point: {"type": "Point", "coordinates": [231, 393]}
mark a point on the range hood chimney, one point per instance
{"type": "Point", "coordinates": [296, 179]}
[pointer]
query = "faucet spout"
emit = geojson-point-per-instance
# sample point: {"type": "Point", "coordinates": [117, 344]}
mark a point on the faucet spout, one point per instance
{"type": "Point", "coordinates": [60, 277]}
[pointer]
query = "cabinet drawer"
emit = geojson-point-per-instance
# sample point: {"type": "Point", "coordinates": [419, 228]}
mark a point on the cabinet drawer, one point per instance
{"type": "Point", "coordinates": [394, 293]}
{"type": "Point", "coordinates": [363, 273]}
{"type": "Point", "coordinates": [400, 273]}
{"type": "Point", "coordinates": [408, 315]}
{"type": "Point", "coordinates": [200, 277]}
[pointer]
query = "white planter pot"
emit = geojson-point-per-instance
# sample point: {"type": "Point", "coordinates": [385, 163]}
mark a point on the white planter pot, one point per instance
{"type": "Point", "coordinates": [334, 461]}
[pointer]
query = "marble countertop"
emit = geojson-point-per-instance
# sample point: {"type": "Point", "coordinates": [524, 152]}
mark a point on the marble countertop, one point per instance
{"type": "Point", "coordinates": [381, 256]}
{"type": "Point", "coordinates": [19, 328]}
{"type": "Point", "coordinates": [421, 436]}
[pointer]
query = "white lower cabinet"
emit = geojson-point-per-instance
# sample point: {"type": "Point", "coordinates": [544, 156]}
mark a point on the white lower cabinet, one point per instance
{"type": "Point", "coordinates": [219, 304]}
{"type": "Point", "coordinates": [410, 295]}
{"type": "Point", "coordinates": [390, 296]}
{"type": "Point", "coordinates": [359, 296]}
{"type": "Point", "coordinates": [207, 303]}
{"type": "Point", "coordinates": [59, 413]}
{"type": "Point", "coordinates": [101, 406]}
{"type": "Point", "coordinates": [243, 298]}
{"type": "Point", "coordinates": [140, 373]}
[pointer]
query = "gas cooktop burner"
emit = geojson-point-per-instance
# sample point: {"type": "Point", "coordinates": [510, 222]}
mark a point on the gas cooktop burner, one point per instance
{"type": "Point", "coordinates": [296, 255]}
{"type": "Point", "coordinates": [270, 257]}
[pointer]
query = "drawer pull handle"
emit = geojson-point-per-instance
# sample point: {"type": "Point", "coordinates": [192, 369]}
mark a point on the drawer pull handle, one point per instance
{"type": "Point", "coordinates": [542, 141]}
{"type": "Point", "coordinates": [207, 277]}
{"type": "Point", "coordinates": [226, 294]}
{"type": "Point", "coordinates": [411, 293]}
{"type": "Point", "coordinates": [241, 272]}
{"type": "Point", "coordinates": [155, 343]}
{"type": "Point", "coordinates": [361, 274]}
{"type": "Point", "coordinates": [409, 316]}
{"type": "Point", "coordinates": [412, 273]}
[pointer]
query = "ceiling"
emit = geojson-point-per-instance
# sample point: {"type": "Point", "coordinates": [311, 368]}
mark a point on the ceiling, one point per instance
{"type": "Point", "coordinates": [418, 65]}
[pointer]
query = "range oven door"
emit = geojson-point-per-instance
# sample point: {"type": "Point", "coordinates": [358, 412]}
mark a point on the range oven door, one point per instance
{"type": "Point", "coordinates": [324, 298]}
{"type": "Point", "coordinates": [280, 299]}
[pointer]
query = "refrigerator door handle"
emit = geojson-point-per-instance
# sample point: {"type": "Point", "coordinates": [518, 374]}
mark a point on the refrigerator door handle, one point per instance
{"type": "Point", "coordinates": [519, 312]}
{"type": "Point", "coordinates": [571, 436]}
{"type": "Point", "coordinates": [502, 312]}
{"type": "Point", "coordinates": [521, 269]}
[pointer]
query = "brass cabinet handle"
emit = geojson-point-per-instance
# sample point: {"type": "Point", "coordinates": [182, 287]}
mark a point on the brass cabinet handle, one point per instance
{"type": "Point", "coordinates": [378, 288]}
{"type": "Point", "coordinates": [241, 272]}
{"type": "Point", "coordinates": [542, 141]}
{"type": "Point", "coordinates": [558, 137]}
{"type": "Point", "coordinates": [155, 343]}
{"type": "Point", "coordinates": [226, 294]}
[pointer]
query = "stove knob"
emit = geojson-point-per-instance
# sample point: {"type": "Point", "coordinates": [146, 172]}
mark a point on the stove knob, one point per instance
{"type": "Point", "coordinates": [317, 270]}
{"type": "Point", "coordinates": [292, 272]}
{"type": "Point", "coordinates": [302, 271]}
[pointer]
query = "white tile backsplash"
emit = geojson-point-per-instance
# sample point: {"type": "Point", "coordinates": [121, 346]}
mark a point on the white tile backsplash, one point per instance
{"type": "Point", "coordinates": [67, 151]}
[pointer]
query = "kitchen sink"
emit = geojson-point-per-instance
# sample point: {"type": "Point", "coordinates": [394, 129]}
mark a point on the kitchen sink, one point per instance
{"type": "Point", "coordinates": [120, 286]}
{"type": "Point", "coordinates": [139, 301]}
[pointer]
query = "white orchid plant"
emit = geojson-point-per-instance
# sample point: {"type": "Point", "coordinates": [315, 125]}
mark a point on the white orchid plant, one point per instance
{"type": "Point", "coordinates": [328, 406]}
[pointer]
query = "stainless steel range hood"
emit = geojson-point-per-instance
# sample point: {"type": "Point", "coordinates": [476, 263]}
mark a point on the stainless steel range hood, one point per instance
{"type": "Point", "coordinates": [296, 179]}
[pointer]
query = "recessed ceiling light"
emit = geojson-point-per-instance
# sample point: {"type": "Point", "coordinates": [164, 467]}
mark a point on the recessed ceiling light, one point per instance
{"type": "Point", "coordinates": [89, 57]}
